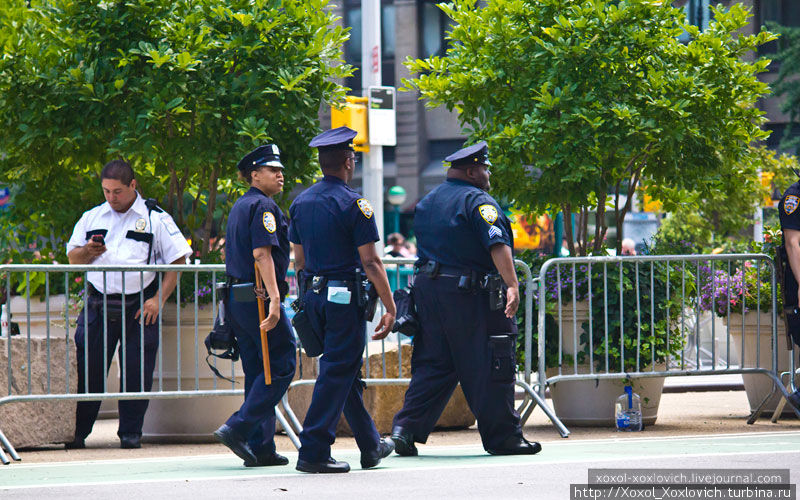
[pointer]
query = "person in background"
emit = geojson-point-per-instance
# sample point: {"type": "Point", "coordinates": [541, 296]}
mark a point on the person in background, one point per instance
{"type": "Point", "coordinates": [125, 230]}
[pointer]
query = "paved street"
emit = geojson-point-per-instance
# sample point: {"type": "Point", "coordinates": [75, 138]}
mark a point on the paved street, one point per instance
{"type": "Point", "coordinates": [450, 471]}
{"type": "Point", "coordinates": [694, 430]}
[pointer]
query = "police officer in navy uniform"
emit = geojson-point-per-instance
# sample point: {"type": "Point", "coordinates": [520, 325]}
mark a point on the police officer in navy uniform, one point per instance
{"type": "Point", "coordinates": [257, 232]}
{"type": "Point", "coordinates": [125, 230]}
{"type": "Point", "coordinates": [789, 213]}
{"type": "Point", "coordinates": [464, 240]}
{"type": "Point", "coordinates": [334, 233]}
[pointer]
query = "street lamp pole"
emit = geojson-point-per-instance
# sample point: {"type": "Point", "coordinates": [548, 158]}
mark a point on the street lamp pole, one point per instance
{"type": "Point", "coordinates": [371, 77]}
{"type": "Point", "coordinates": [397, 196]}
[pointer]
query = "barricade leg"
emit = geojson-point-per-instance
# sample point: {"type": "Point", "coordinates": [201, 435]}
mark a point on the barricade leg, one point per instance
{"type": "Point", "coordinates": [5, 443]}
{"type": "Point", "coordinates": [536, 400]}
{"type": "Point", "coordinates": [298, 427]}
{"type": "Point", "coordinates": [286, 427]}
{"type": "Point", "coordinates": [782, 402]}
{"type": "Point", "coordinates": [777, 386]}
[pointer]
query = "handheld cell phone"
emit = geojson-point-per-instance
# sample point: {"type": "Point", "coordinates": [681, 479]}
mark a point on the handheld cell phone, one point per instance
{"type": "Point", "coordinates": [98, 238]}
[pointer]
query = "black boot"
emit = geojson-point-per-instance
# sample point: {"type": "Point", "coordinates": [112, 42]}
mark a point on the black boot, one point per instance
{"type": "Point", "coordinates": [404, 442]}
{"type": "Point", "coordinates": [373, 458]}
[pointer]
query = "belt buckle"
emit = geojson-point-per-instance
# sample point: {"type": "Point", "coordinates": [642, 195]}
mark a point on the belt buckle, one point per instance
{"type": "Point", "coordinates": [316, 283]}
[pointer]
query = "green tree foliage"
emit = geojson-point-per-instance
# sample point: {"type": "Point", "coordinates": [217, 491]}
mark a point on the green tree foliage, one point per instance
{"type": "Point", "coordinates": [181, 88]}
{"type": "Point", "coordinates": [581, 101]}
{"type": "Point", "coordinates": [707, 220]}
{"type": "Point", "coordinates": [786, 84]}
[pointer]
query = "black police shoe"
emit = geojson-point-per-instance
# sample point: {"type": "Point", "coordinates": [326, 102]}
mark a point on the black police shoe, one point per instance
{"type": "Point", "coordinates": [330, 466]}
{"type": "Point", "coordinates": [404, 442]}
{"type": "Point", "coordinates": [130, 441]}
{"type": "Point", "coordinates": [794, 399]}
{"type": "Point", "coordinates": [227, 436]}
{"type": "Point", "coordinates": [266, 460]}
{"type": "Point", "coordinates": [373, 458]}
{"type": "Point", "coordinates": [77, 444]}
{"type": "Point", "coordinates": [517, 445]}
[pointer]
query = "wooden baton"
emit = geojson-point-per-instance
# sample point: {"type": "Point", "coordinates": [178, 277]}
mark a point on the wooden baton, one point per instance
{"type": "Point", "coordinates": [261, 291]}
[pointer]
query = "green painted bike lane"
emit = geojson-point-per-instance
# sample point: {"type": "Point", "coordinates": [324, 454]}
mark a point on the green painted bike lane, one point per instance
{"type": "Point", "coordinates": [214, 467]}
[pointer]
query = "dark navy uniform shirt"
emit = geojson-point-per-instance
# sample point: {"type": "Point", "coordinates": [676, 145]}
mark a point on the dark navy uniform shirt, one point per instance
{"type": "Point", "coordinates": [331, 221]}
{"type": "Point", "coordinates": [789, 208]}
{"type": "Point", "coordinates": [457, 223]}
{"type": "Point", "coordinates": [255, 221]}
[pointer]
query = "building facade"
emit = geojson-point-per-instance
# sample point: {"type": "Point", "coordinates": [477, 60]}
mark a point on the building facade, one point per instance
{"type": "Point", "coordinates": [417, 29]}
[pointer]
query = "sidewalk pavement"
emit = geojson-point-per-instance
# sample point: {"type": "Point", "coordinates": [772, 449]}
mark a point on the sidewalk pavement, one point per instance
{"type": "Point", "coordinates": [687, 413]}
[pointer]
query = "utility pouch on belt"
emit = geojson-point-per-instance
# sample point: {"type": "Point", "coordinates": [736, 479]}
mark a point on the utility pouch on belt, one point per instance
{"type": "Point", "coordinates": [501, 348]}
{"type": "Point", "coordinates": [497, 289]}
{"type": "Point", "coordinates": [243, 292]}
{"type": "Point", "coordinates": [221, 342]}
{"type": "Point", "coordinates": [407, 321]}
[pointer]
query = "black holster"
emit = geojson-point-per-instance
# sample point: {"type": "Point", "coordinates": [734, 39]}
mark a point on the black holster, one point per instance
{"type": "Point", "coordinates": [407, 321]}
{"type": "Point", "coordinates": [310, 340]}
{"type": "Point", "coordinates": [496, 287]}
{"type": "Point", "coordinates": [366, 295]}
{"type": "Point", "coordinates": [221, 342]}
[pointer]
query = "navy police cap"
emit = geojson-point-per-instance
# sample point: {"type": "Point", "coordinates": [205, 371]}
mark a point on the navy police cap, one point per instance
{"type": "Point", "coordinates": [340, 138]}
{"type": "Point", "coordinates": [477, 154]}
{"type": "Point", "coordinates": [267, 155]}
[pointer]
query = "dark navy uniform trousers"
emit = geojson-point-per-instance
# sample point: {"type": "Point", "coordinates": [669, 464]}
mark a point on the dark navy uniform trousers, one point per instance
{"type": "Point", "coordinates": [255, 420]}
{"type": "Point", "coordinates": [137, 369]}
{"type": "Point", "coordinates": [339, 387]}
{"type": "Point", "coordinates": [453, 346]}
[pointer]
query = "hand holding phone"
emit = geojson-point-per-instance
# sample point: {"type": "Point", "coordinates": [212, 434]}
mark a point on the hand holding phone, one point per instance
{"type": "Point", "coordinates": [96, 246]}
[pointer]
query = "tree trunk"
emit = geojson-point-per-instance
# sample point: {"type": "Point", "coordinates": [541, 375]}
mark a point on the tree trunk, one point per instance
{"type": "Point", "coordinates": [210, 206]}
{"type": "Point", "coordinates": [566, 209]}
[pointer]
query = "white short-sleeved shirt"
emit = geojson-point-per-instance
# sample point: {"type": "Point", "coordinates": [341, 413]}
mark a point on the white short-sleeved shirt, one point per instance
{"type": "Point", "coordinates": [126, 236]}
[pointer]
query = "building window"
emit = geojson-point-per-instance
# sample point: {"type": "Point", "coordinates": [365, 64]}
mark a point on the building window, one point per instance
{"type": "Point", "coordinates": [352, 49]}
{"type": "Point", "coordinates": [435, 25]}
{"type": "Point", "coordinates": [783, 12]}
{"type": "Point", "coordinates": [698, 13]}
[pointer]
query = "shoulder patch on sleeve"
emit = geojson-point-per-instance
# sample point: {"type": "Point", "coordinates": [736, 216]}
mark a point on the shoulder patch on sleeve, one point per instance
{"type": "Point", "coordinates": [365, 207]}
{"type": "Point", "coordinates": [269, 222]}
{"type": "Point", "coordinates": [488, 213]}
{"type": "Point", "coordinates": [170, 226]}
{"type": "Point", "coordinates": [790, 204]}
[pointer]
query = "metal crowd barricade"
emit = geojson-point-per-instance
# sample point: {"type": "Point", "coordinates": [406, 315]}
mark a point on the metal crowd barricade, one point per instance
{"type": "Point", "coordinates": [59, 327]}
{"type": "Point", "coordinates": [398, 269]}
{"type": "Point", "coordinates": [609, 286]}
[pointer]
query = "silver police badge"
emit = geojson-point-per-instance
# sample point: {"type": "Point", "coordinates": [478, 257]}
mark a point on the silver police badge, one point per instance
{"type": "Point", "coordinates": [790, 204]}
{"type": "Point", "coordinates": [488, 212]}
{"type": "Point", "coordinates": [139, 225]}
{"type": "Point", "coordinates": [269, 222]}
{"type": "Point", "coordinates": [365, 207]}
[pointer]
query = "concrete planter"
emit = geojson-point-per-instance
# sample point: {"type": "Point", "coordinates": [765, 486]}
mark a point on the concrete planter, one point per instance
{"type": "Point", "coordinates": [381, 401]}
{"type": "Point", "coordinates": [36, 423]}
{"type": "Point", "coordinates": [758, 386]}
{"type": "Point", "coordinates": [571, 319]}
{"type": "Point", "coordinates": [590, 403]}
{"type": "Point", "coordinates": [188, 419]}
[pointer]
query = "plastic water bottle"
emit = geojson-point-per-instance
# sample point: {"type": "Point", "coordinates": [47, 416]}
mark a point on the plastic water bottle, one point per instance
{"type": "Point", "coordinates": [628, 411]}
{"type": "Point", "coordinates": [4, 320]}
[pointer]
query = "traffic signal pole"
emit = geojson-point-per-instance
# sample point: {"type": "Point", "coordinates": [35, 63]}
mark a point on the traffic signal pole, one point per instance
{"type": "Point", "coordinates": [372, 172]}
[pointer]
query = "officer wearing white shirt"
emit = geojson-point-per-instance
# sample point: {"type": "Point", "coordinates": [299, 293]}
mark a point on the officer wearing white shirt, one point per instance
{"type": "Point", "coordinates": [125, 230]}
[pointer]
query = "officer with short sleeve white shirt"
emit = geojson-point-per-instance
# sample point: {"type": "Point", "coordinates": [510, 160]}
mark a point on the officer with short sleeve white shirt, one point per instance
{"type": "Point", "coordinates": [125, 230]}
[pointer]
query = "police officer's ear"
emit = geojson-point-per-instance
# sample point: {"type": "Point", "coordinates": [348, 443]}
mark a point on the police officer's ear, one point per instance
{"type": "Point", "coordinates": [134, 185]}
